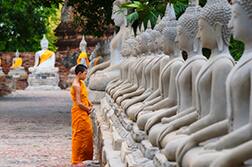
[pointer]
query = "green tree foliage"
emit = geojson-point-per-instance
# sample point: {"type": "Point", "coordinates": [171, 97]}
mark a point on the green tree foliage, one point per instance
{"type": "Point", "coordinates": [143, 10]}
{"type": "Point", "coordinates": [94, 16]}
{"type": "Point", "coordinates": [23, 23]}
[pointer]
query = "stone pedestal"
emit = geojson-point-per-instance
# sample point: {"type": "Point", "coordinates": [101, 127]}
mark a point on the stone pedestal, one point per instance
{"type": "Point", "coordinates": [44, 80]}
{"type": "Point", "coordinates": [19, 78]}
{"type": "Point", "coordinates": [148, 150]}
{"type": "Point", "coordinates": [137, 134]}
{"type": "Point", "coordinates": [19, 73]}
{"type": "Point", "coordinates": [136, 159]}
{"type": "Point", "coordinates": [160, 160]}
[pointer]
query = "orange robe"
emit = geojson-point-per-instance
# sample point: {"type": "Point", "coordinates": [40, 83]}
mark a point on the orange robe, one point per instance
{"type": "Point", "coordinates": [82, 131]}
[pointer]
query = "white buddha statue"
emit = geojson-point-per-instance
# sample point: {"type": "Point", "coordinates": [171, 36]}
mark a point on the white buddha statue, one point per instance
{"type": "Point", "coordinates": [16, 69]}
{"type": "Point", "coordinates": [44, 74]}
{"type": "Point", "coordinates": [17, 61]}
{"type": "Point", "coordinates": [102, 74]}
{"type": "Point", "coordinates": [234, 148]}
{"type": "Point", "coordinates": [82, 58]}
{"type": "Point", "coordinates": [44, 59]}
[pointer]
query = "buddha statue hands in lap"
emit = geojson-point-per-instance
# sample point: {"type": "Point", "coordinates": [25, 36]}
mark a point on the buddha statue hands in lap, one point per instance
{"type": "Point", "coordinates": [44, 59]}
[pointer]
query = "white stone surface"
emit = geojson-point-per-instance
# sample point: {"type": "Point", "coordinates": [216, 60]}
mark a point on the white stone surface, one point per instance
{"type": "Point", "coordinates": [43, 81]}
{"type": "Point", "coordinates": [96, 96]}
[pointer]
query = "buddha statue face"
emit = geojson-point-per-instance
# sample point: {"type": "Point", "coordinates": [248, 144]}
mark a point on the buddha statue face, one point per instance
{"type": "Point", "coordinates": [207, 35]}
{"type": "Point", "coordinates": [44, 43]}
{"type": "Point", "coordinates": [241, 21]}
{"type": "Point", "coordinates": [184, 42]}
{"type": "Point", "coordinates": [117, 14]}
{"type": "Point", "coordinates": [154, 41]}
{"type": "Point", "coordinates": [144, 41]}
{"type": "Point", "coordinates": [213, 24]}
{"type": "Point", "coordinates": [169, 44]}
{"type": "Point", "coordinates": [134, 45]}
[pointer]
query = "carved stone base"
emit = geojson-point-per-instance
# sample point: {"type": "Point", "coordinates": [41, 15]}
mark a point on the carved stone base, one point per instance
{"type": "Point", "coordinates": [43, 81]}
{"type": "Point", "coordinates": [116, 140]}
{"type": "Point", "coordinates": [96, 96]}
{"type": "Point", "coordinates": [136, 159]}
{"type": "Point", "coordinates": [128, 146]}
{"type": "Point", "coordinates": [127, 124]}
{"type": "Point", "coordinates": [137, 134]}
{"type": "Point", "coordinates": [19, 73]}
{"type": "Point", "coordinates": [160, 160]}
{"type": "Point", "coordinates": [148, 150]}
{"type": "Point", "coordinates": [105, 107]}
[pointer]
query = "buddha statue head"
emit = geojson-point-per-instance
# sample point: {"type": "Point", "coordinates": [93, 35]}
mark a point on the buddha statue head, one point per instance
{"type": "Point", "coordinates": [151, 40]}
{"type": "Point", "coordinates": [125, 51]}
{"type": "Point", "coordinates": [241, 21]}
{"type": "Point", "coordinates": [134, 45]}
{"type": "Point", "coordinates": [17, 54]}
{"type": "Point", "coordinates": [169, 44]}
{"type": "Point", "coordinates": [187, 29]}
{"type": "Point", "coordinates": [213, 24]}
{"type": "Point", "coordinates": [83, 44]}
{"type": "Point", "coordinates": [168, 17]}
{"type": "Point", "coordinates": [157, 40]}
{"type": "Point", "coordinates": [118, 15]}
{"type": "Point", "coordinates": [44, 43]}
{"type": "Point", "coordinates": [144, 39]}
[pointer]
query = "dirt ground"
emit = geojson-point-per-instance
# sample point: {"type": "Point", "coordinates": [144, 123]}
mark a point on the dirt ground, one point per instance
{"type": "Point", "coordinates": [35, 129]}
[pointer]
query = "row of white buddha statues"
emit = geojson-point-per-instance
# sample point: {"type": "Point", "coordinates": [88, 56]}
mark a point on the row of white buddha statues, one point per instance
{"type": "Point", "coordinates": [197, 111]}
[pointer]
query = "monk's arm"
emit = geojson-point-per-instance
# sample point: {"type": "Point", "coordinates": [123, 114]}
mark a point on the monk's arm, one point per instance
{"type": "Point", "coordinates": [78, 100]}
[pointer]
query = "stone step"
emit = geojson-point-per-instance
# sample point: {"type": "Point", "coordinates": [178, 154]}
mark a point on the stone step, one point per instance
{"type": "Point", "coordinates": [160, 160]}
{"type": "Point", "coordinates": [148, 150]}
{"type": "Point", "coordinates": [136, 159]}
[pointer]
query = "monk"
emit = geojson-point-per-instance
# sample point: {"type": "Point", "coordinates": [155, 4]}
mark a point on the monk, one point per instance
{"type": "Point", "coordinates": [82, 131]}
